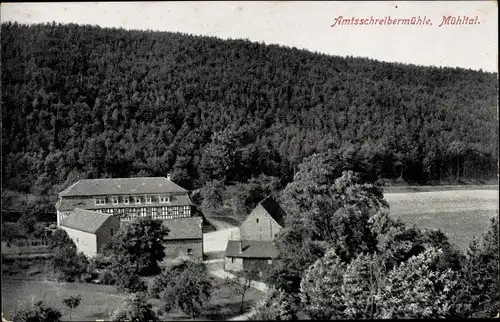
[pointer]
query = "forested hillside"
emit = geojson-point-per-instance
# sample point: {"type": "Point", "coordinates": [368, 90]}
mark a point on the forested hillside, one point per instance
{"type": "Point", "coordinates": [84, 101]}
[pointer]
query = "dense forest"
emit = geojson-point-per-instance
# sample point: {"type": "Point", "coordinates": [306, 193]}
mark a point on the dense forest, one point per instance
{"type": "Point", "coordinates": [87, 102]}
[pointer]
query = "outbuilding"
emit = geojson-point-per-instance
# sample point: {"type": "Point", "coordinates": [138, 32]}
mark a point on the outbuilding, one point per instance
{"type": "Point", "coordinates": [90, 230]}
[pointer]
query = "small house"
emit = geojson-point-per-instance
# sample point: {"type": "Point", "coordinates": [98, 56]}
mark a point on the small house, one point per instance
{"type": "Point", "coordinates": [250, 255]}
{"type": "Point", "coordinates": [255, 248]}
{"type": "Point", "coordinates": [185, 238]}
{"type": "Point", "coordinates": [90, 230]}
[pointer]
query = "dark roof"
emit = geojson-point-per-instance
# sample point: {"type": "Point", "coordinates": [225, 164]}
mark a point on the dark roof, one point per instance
{"type": "Point", "coordinates": [272, 207]}
{"type": "Point", "coordinates": [85, 220]}
{"type": "Point", "coordinates": [251, 249]}
{"type": "Point", "coordinates": [121, 186]}
{"type": "Point", "coordinates": [65, 204]}
{"type": "Point", "coordinates": [184, 228]}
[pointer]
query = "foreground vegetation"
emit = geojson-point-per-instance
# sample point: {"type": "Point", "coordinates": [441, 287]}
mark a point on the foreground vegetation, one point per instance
{"type": "Point", "coordinates": [343, 257]}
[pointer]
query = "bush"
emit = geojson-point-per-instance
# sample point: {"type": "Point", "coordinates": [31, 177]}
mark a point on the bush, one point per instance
{"type": "Point", "coordinates": [100, 261]}
{"type": "Point", "coordinates": [107, 277]}
{"type": "Point", "coordinates": [40, 312]}
{"type": "Point", "coordinates": [28, 222]}
{"type": "Point", "coordinates": [136, 309]}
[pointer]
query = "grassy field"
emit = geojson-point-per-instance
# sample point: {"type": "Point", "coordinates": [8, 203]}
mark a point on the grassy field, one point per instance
{"type": "Point", "coordinates": [99, 301]}
{"type": "Point", "coordinates": [396, 189]}
{"type": "Point", "coordinates": [461, 214]}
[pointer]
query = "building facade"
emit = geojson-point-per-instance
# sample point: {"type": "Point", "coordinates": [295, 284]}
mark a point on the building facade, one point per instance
{"type": "Point", "coordinates": [250, 255]}
{"type": "Point", "coordinates": [90, 230]}
{"type": "Point", "coordinates": [128, 199]}
{"type": "Point", "coordinates": [255, 250]}
{"type": "Point", "coordinates": [185, 238]}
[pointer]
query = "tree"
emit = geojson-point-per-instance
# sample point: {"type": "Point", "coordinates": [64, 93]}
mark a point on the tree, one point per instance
{"type": "Point", "coordinates": [72, 302]}
{"type": "Point", "coordinates": [361, 283]}
{"type": "Point", "coordinates": [69, 263]}
{"type": "Point", "coordinates": [40, 312]}
{"type": "Point", "coordinates": [325, 213]}
{"type": "Point", "coordinates": [60, 239]}
{"type": "Point", "coordinates": [478, 296]}
{"type": "Point", "coordinates": [136, 309]}
{"type": "Point", "coordinates": [241, 284]}
{"type": "Point", "coordinates": [395, 243]}
{"type": "Point", "coordinates": [297, 251]}
{"type": "Point", "coordinates": [139, 244]}
{"type": "Point", "coordinates": [219, 157]}
{"type": "Point", "coordinates": [320, 291]}
{"type": "Point", "coordinates": [418, 289]}
{"type": "Point", "coordinates": [186, 286]}
{"type": "Point", "coordinates": [276, 306]}
{"type": "Point", "coordinates": [212, 194]}
{"type": "Point", "coordinates": [126, 276]}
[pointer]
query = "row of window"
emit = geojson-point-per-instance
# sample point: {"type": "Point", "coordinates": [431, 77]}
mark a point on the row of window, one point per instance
{"type": "Point", "coordinates": [154, 212]}
{"type": "Point", "coordinates": [136, 199]}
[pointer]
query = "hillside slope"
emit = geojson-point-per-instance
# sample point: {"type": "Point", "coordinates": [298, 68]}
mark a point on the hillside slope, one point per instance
{"type": "Point", "coordinates": [84, 101]}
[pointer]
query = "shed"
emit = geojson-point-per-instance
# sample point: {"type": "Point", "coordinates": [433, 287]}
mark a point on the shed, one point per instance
{"type": "Point", "coordinates": [90, 230]}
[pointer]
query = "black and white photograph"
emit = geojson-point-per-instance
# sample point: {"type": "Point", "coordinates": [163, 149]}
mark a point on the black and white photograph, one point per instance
{"type": "Point", "coordinates": [249, 160]}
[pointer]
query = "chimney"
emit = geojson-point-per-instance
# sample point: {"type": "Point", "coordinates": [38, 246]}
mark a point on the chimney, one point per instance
{"type": "Point", "coordinates": [168, 176]}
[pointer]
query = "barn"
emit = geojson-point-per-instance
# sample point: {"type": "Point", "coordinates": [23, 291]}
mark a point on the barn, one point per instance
{"type": "Point", "coordinates": [90, 230]}
{"type": "Point", "coordinates": [255, 249]}
{"type": "Point", "coordinates": [250, 255]}
{"type": "Point", "coordinates": [185, 238]}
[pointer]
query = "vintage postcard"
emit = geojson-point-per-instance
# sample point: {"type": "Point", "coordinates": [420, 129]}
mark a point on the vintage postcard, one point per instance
{"type": "Point", "coordinates": [244, 160]}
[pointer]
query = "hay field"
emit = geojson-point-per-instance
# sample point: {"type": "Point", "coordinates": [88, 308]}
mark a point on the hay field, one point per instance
{"type": "Point", "coordinates": [461, 214]}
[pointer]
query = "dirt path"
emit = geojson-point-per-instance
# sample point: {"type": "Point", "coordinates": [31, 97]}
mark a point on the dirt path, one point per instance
{"type": "Point", "coordinates": [216, 241]}
{"type": "Point", "coordinates": [223, 274]}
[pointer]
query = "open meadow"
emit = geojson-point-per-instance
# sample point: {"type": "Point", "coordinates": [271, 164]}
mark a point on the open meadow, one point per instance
{"type": "Point", "coordinates": [99, 301]}
{"type": "Point", "coordinates": [461, 214]}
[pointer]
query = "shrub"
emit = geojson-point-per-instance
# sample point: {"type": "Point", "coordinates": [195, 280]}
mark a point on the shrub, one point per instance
{"type": "Point", "coordinates": [107, 277]}
{"type": "Point", "coordinates": [136, 309]}
{"type": "Point", "coordinates": [40, 312]}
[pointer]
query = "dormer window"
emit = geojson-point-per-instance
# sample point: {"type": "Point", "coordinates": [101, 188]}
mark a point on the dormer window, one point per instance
{"type": "Point", "coordinates": [148, 199]}
{"type": "Point", "coordinates": [126, 200]}
{"type": "Point", "coordinates": [137, 200]}
{"type": "Point", "coordinates": [100, 201]}
{"type": "Point", "coordinates": [164, 199]}
{"type": "Point", "coordinates": [115, 200]}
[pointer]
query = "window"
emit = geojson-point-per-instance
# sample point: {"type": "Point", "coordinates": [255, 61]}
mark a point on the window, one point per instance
{"type": "Point", "coordinates": [232, 259]}
{"type": "Point", "coordinates": [143, 211]}
{"type": "Point", "coordinates": [100, 201]}
{"type": "Point", "coordinates": [115, 200]}
{"type": "Point", "coordinates": [257, 220]}
{"type": "Point", "coordinates": [111, 232]}
{"type": "Point", "coordinates": [154, 212]}
{"type": "Point", "coordinates": [187, 211]}
{"type": "Point", "coordinates": [125, 200]}
{"type": "Point", "coordinates": [269, 261]}
{"type": "Point", "coordinates": [175, 211]}
{"type": "Point", "coordinates": [190, 251]}
{"type": "Point", "coordinates": [164, 199]}
{"type": "Point", "coordinates": [164, 212]}
{"type": "Point", "coordinates": [137, 199]}
{"type": "Point", "coordinates": [148, 199]}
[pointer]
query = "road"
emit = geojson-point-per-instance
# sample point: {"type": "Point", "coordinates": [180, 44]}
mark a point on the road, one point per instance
{"type": "Point", "coordinates": [216, 241]}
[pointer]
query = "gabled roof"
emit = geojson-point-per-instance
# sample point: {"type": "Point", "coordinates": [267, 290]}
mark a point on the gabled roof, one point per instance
{"type": "Point", "coordinates": [184, 228]}
{"type": "Point", "coordinates": [272, 207]}
{"type": "Point", "coordinates": [122, 186]}
{"type": "Point", "coordinates": [251, 249]}
{"type": "Point", "coordinates": [85, 220]}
